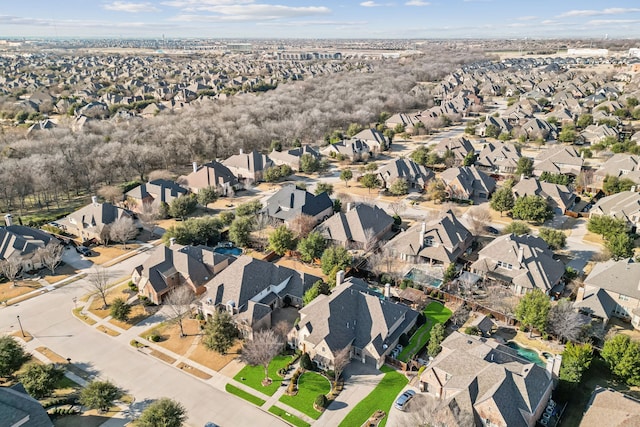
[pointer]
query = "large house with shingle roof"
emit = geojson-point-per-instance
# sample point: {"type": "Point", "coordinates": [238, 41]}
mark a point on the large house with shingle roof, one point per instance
{"type": "Point", "coordinates": [624, 205]}
{"type": "Point", "coordinates": [351, 316]}
{"type": "Point", "coordinates": [361, 226]}
{"type": "Point", "coordinates": [621, 165]}
{"type": "Point", "coordinates": [612, 289]}
{"type": "Point", "coordinates": [250, 289]}
{"type": "Point", "coordinates": [376, 141]}
{"type": "Point", "coordinates": [460, 147]}
{"type": "Point", "coordinates": [17, 408]}
{"type": "Point", "coordinates": [558, 159]}
{"type": "Point", "coordinates": [292, 157]}
{"type": "Point", "coordinates": [93, 221]}
{"type": "Point", "coordinates": [248, 166]}
{"type": "Point", "coordinates": [153, 193]}
{"type": "Point", "coordinates": [213, 174]}
{"type": "Point", "coordinates": [22, 243]}
{"type": "Point", "coordinates": [522, 262]}
{"type": "Point", "coordinates": [442, 241]}
{"type": "Point", "coordinates": [468, 183]}
{"type": "Point", "coordinates": [290, 202]}
{"type": "Point", "coordinates": [169, 267]}
{"type": "Point", "coordinates": [498, 156]}
{"type": "Point", "coordinates": [489, 380]}
{"type": "Point", "coordinates": [611, 408]}
{"type": "Point", "coordinates": [559, 197]}
{"type": "Point", "coordinates": [417, 176]}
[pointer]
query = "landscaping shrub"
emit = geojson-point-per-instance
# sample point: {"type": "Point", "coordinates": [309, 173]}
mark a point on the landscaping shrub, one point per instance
{"type": "Point", "coordinates": [320, 402]}
{"type": "Point", "coordinates": [472, 330]}
{"type": "Point", "coordinates": [136, 344]}
{"type": "Point", "coordinates": [154, 338]}
{"type": "Point", "coordinates": [132, 286]}
{"type": "Point", "coordinates": [305, 362]}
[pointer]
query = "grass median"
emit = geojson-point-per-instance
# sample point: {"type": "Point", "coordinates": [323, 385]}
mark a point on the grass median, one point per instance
{"type": "Point", "coordinates": [244, 395]}
{"type": "Point", "coordinates": [291, 419]}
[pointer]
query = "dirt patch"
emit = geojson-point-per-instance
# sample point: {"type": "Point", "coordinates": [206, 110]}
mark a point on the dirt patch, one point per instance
{"type": "Point", "coordinates": [108, 331]}
{"type": "Point", "coordinates": [593, 238]}
{"type": "Point", "coordinates": [170, 335]}
{"type": "Point", "coordinates": [108, 253]}
{"type": "Point", "coordinates": [214, 360]}
{"type": "Point", "coordinates": [26, 337]}
{"type": "Point", "coordinates": [194, 371]}
{"type": "Point", "coordinates": [139, 312]}
{"type": "Point", "coordinates": [8, 291]}
{"type": "Point", "coordinates": [54, 357]}
{"type": "Point", "coordinates": [164, 357]}
{"type": "Point", "coordinates": [297, 265]}
{"type": "Point", "coordinates": [86, 319]}
{"type": "Point", "coordinates": [618, 326]}
{"type": "Point", "coordinates": [62, 272]}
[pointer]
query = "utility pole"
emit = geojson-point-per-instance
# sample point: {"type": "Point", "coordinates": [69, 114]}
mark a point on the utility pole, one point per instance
{"type": "Point", "coordinates": [20, 323]}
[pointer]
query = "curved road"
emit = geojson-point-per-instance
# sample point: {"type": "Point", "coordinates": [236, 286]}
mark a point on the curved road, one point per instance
{"type": "Point", "coordinates": [48, 317]}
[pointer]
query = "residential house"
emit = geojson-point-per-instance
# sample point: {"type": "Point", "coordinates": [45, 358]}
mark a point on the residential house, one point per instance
{"type": "Point", "coordinates": [290, 202]}
{"type": "Point", "coordinates": [489, 380]}
{"type": "Point", "coordinates": [250, 289]}
{"type": "Point", "coordinates": [361, 226]}
{"type": "Point", "coordinates": [417, 176]}
{"type": "Point", "coordinates": [22, 243]}
{"type": "Point", "coordinates": [169, 267]}
{"type": "Point", "coordinates": [442, 240]}
{"type": "Point", "coordinates": [407, 121]}
{"type": "Point", "coordinates": [93, 221]}
{"type": "Point", "coordinates": [538, 129]}
{"type": "Point", "coordinates": [352, 149]}
{"type": "Point", "coordinates": [612, 289]}
{"type": "Point", "coordinates": [523, 263]}
{"type": "Point", "coordinates": [376, 141]}
{"type": "Point", "coordinates": [153, 193]}
{"type": "Point", "coordinates": [213, 174]}
{"type": "Point", "coordinates": [624, 205]}
{"type": "Point", "coordinates": [460, 147]}
{"type": "Point", "coordinates": [611, 408]}
{"type": "Point", "coordinates": [17, 408]}
{"type": "Point", "coordinates": [594, 134]}
{"type": "Point", "coordinates": [559, 197]}
{"type": "Point", "coordinates": [558, 159]}
{"type": "Point", "coordinates": [468, 183]}
{"type": "Point", "coordinates": [500, 124]}
{"type": "Point", "coordinates": [620, 165]}
{"type": "Point", "coordinates": [292, 157]}
{"type": "Point", "coordinates": [354, 317]}
{"type": "Point", "coordinates": [498, 157]}
{"type": "Point", "coordinates": [248, 166]}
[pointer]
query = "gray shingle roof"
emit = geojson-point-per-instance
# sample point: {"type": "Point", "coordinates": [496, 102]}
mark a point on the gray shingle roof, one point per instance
{"type": "Point", "coordinates": [290, 202]}
{"type": "Point", "coordinates": [407, 169]}
{"type": "Point", "coordinates": [16, 406]}
{"type": "Point", "coordinates": [20, 241]}
{"type": "Point", "coordinates": [624, 205]}
{"type": "Point", "coordinates": [352, 226]}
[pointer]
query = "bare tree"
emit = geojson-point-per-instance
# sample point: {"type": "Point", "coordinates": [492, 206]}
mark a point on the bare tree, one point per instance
{"type": "Point", "coordinates": [161, 174]}
{"type": "Point", "coordinates": [428, 411]}
{"type": "Point", "coordinates": [99, 283]}
{"type": "Point", "coordinates": [397, 207]}
{"type": "Point", "coordinates": [51, 255]}
{"type": "Point", "coordinates": [10, 269]}
{"type": "Point", "coordinates": [479, 217]}
{"type": "Point", "coordinates": [302, 225]}
{"type": "Point", "coordinates": [564, 322]}
{"type": "Point", "coordinates": [122, 230]}
{"type": "Point", "coordinates": [264, 346]}
{"type": "Point", "coordinates": [282, 328]}
{"type": "Point", "coordinates": [341, 359]}
{"type": "Point", "coordinates": [149, 216]}
{"type": "Point", "coordinates": [179, 301]}
{"type": "Point", "coordinates": [111, 193]}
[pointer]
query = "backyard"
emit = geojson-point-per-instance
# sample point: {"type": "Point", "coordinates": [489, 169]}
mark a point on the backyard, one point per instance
{"type": "Point", "coordinates": [434, 313]}
{"type": "Point", "coordinates": [252, 376]}
{"type": "Point", "coordinates": [381, 398]}
{"type": "Point", "coordinates": [310, 385]}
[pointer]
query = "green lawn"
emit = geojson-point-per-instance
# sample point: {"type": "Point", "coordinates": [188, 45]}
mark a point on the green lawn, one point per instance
{"type": "Point", "coordinates": [230, 388]}
{"type": "Point", "coordinates": [253, 375]}
{"type": "Point", "coordinates": [382, 397]}
{"type": "Point", "coordinates": [435, 313]}
{"type": "Point", "coordinates": [291, 419]}
{"type": "Point", "coordinates": [310, 385]}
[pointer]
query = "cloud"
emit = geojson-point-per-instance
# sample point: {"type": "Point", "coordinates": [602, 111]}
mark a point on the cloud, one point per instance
{"type": "Point", "coordinates": [196, 4]}
{"type": "Point", "coordinates": [252, 12]}
{"type": "Point", "coordinates": [417, 3]}
{"type": "Point", "coordinates": [599, 22]}
{"type": "Point", "coordinates": [73, 23]}
{"type": "Point", "coordinates": [592, 12]}
{"type": "Point", "coordinates": [310, 23]}
{"type": "Point", "coordinates": [374, 4]}
{"type": "Point", "coordinates": [123, 6]}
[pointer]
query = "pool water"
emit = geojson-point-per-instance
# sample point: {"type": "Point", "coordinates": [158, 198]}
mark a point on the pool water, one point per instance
{"type": "Point", "coordinates": [228, 251]}
{"type": "Point", "coordinates": [422, 278]}
{"type": "Point", "coordinates": [527, 353]}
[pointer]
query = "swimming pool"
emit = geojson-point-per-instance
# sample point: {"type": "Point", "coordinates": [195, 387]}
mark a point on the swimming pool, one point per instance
{"type": "Point", "coordinates": [527, 353]}
{"type": "Point", "coordinates": [228, 250]}
{"type": "Point", "coordinates": [422, 278]}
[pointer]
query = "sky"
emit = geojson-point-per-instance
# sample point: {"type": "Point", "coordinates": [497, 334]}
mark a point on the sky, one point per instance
{"type": "Point", "coordinates": [378, 19]}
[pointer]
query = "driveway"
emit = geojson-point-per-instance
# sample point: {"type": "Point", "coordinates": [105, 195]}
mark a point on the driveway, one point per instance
{"type": "Point", "coordinates": [49, 319]}
{"type": "Point", "coordinates": [408, 416]}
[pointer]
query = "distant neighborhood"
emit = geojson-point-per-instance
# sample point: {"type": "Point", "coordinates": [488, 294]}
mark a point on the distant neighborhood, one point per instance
{"type": "Point", "coordinates": [473, 262]}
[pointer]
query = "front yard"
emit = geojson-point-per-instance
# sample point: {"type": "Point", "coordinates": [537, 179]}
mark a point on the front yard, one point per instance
{"type": "Point", "coordinates": [381, 398]}
{"type": "Point", "coordinates": [434, 313]}
{"type": "Point", "coordinates": [310, 385]}
{"type": "Point", "coordinates": [253, 375]}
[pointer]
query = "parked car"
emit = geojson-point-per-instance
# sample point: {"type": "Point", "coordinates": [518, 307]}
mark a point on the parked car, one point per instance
{"type": "Point", "coordinates": [405, 397]}
{"type": "Point", "coordinates": [491, 230]}
{"type": "Point", "coordinates": [83, 250]}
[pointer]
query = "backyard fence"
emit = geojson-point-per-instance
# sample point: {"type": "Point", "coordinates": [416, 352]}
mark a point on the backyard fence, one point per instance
{"type": "Point", "coordinates": [475, 306]}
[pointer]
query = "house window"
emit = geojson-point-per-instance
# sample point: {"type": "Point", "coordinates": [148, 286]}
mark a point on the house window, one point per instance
{"type": "Point", "coordinates": [428, 241]}
{"type": "Point", "coordinates": [623, 297]}
{"type": "Point", "coordinates": [505, 265]}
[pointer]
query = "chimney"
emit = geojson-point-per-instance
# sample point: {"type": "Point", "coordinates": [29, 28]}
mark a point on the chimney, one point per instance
{"type": "Point", "coordinates": [387, 290]}
{"type": "Point", "coordinates": [94, 200]}
{"type": "Point", "coordinates": [522, 177]}
{"type": "Point", "coordinates": [349, 207]}
{"type": "Point", "coordinates": [8, 220]}
{"type": "Point", "coordinates": [520, 254]}
{"type": "Point", "coordinates": [172, 241]}
{"type": "Point", "coordinates": [195, 167]}
{"type": "Point", "coordinates": [423, 231]}
{"type": "Point", "coordinates": [339, 277]}
{"type": "Point", "coordinates": [241, 151]}
{"type": "Point", "coordinates": [580, 294]}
